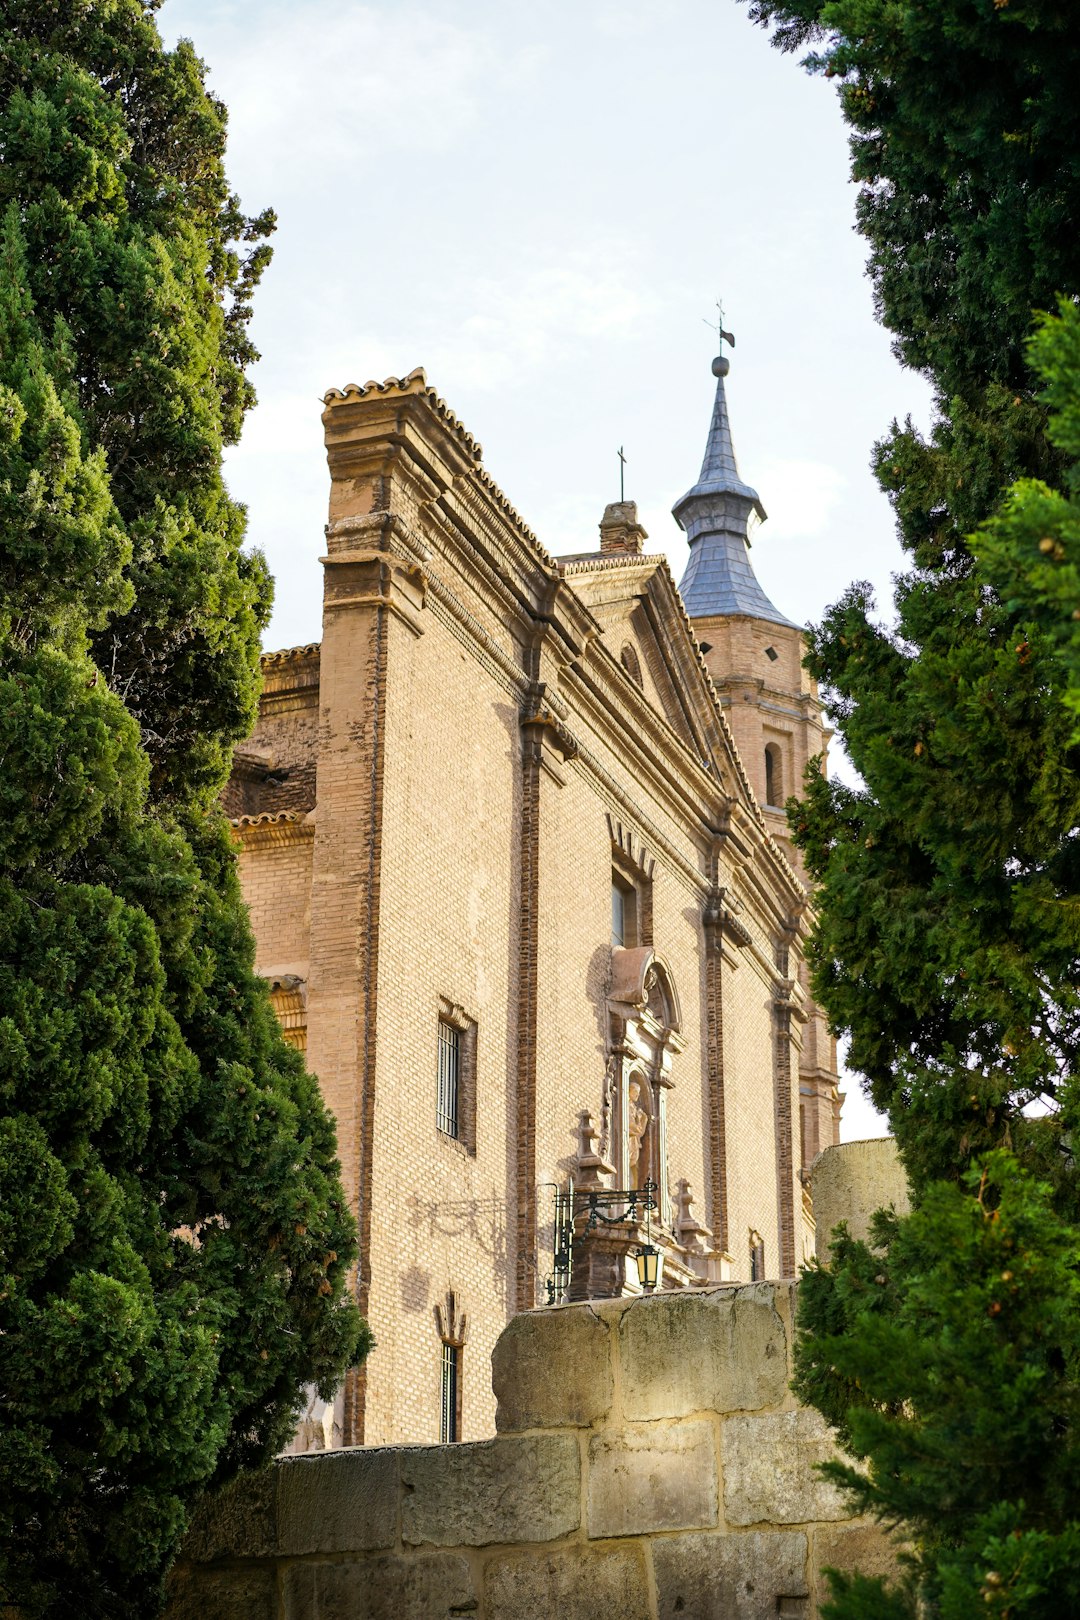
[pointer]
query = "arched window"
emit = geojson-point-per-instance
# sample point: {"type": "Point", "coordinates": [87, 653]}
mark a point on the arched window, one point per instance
{"type": "Point", "coordinates": [631, 665]}
{"type": "Point", "coordinates": [774, 775]}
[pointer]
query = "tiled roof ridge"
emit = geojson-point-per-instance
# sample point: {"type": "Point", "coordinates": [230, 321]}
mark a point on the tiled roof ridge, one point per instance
{"type": "Point", "coordinates": [268, 818]}
{"type": "Point", "coordinates": [482, 476]}
{"type": "Point", "coordinates": [288, 655]}
{"type": "Point", "coordinates": [415, 383]}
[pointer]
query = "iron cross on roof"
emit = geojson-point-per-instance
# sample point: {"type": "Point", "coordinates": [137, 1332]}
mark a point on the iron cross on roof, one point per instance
{"type": "Point", "coordinates": [622, 474]}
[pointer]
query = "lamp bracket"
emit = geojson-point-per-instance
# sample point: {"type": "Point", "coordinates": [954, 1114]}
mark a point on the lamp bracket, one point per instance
{"type": "Point", "coordinates": [628, 1201]}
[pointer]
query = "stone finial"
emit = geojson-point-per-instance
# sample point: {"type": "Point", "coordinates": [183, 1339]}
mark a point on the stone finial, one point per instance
{"type": "Point", "coordinates": [591, 1167]}
{"type": "Point", "coordinates": [620, 531]}
{"type": "Point", "coordinates": [692, 1235]}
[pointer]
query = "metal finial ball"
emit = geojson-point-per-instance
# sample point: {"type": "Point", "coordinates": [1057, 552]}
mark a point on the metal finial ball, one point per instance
{"type": "Point", "coordinates": [721, 366]}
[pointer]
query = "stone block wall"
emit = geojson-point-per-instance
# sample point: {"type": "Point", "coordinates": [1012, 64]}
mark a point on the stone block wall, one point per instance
{"type": "Point", "coordinates": [651, 1464]}
{"type": "Point", "coordinates": [852, 1180]}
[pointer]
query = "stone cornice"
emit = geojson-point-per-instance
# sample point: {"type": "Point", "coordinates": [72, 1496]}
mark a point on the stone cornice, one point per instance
{"type": "Point", "coordinates": [375, 578]}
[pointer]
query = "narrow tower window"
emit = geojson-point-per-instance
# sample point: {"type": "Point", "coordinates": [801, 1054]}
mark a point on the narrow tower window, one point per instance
{"type": "Point", "coordinates": [774, 776]}
{"type": "Point", "coordinates": [447, 1116]}
{"type": "Point", "coordinates": [453, 1327]}
{"type": "Point", "coordinates": [624, 918]}
{"type": "Point", "coordinates": [757, 1257]}
{"type": "Point", "coordinates": [455, 1107]}
{"type": "Point", "coordinates": [450, 1415]}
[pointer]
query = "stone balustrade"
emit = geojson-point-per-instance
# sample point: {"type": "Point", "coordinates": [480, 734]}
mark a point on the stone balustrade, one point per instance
{"type": "Point", "coordinates": [650, 1464]}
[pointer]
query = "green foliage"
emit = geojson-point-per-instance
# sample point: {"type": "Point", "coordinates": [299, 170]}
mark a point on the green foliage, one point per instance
{"type": "Point", "coordinates": [947, 1348]}
{"type": "Point", "coordinates": [949, 934]}
{"type": "Point", "coordinates": [948, 940]}
{"type": "Point", "coordinates": [134, 244]}
{"type": "Point", "coordinates": [965, 142]}
{"type": "Point", "coordinates": [1029, 550]}
{"type": "Point", "coordinates": [174, 1239]}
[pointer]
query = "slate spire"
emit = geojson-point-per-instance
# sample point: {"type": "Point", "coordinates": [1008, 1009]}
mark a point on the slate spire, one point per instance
{"type": "Point", "coordinates": [715, 514]}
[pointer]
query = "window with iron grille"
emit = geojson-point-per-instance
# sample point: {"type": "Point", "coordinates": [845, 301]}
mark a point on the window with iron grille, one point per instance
{"type": "Point", "coordinates": [447, 1116]}
{"type": "Point", "coordinates": [450, 1421]}
{"type": "Point", "coordinates": [455, 1104]}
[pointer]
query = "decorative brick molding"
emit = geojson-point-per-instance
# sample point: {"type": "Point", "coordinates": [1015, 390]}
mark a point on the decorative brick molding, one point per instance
{"type": "Point", "coordinates": [525, 1275]}
{"type": "Point", "coordinates": [713, 917]}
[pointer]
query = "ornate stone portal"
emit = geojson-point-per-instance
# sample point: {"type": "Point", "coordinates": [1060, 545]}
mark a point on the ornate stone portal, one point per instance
{"type": "Point", "coordinates": [629, 1153]}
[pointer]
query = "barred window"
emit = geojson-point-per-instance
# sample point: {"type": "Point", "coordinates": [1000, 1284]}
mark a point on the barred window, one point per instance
{"type": "Point", "coordinates": [453, 1327]}
{"type": "Point", "coordinates": [455, 1106]}
{"type": "Point", "coordinates": [450, 1419]}
{"type": "Point", "coordinates": [447, 1116]}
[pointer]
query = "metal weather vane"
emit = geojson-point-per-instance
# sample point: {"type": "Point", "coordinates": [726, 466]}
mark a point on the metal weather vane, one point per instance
{"type": "Point", "coordinates": [718, 327]}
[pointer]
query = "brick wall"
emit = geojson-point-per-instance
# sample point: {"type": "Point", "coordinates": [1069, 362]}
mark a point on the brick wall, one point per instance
{"type": "Point", "coordinates": [428, 807]}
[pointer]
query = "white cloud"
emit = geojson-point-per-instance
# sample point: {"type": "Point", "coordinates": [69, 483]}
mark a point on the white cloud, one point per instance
{"type": "Point", "coordinates": [333, 85]}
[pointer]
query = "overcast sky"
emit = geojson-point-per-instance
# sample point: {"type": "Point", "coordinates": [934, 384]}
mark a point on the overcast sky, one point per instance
{"type": "Point", "coordinates": [540, 204]}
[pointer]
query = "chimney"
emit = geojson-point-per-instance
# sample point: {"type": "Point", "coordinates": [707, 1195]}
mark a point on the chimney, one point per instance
{"type": "Point", "coordinates": [620, 531]}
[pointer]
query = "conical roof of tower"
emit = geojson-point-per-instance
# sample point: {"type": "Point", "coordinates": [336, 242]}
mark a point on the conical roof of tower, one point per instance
{"type": "Point", "coordinates": [715, 514]}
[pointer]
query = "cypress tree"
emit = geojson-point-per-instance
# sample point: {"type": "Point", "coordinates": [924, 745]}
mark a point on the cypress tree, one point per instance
{"type": "Point", "coordinates": [945, 1352]}
{"type": "Point", "coordinates": [943, 950]}
{"type": "Point", "coordinates": [948, 940]}
{"type": "Point", "coordinates": [174, 1239]}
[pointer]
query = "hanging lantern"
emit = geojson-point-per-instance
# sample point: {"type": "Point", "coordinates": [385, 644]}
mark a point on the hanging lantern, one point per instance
{"type": "Point", "coordinates": [650, 1267]}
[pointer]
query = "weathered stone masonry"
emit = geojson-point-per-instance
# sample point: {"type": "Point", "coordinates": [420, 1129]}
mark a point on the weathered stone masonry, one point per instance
{"type": "Point", "coordinates": [650, 1464]}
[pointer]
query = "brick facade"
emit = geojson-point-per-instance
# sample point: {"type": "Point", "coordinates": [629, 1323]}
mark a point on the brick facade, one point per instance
{"type": "Point", "coordinates": [432, 810]}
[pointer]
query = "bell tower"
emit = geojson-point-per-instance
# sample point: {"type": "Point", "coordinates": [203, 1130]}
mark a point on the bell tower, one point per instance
{"type": "Point", "coordinates": [754, 655]}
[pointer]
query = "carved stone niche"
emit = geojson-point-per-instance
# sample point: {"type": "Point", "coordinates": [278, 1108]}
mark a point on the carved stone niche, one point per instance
{"type": "Point", "coordinates": [644, 1025]}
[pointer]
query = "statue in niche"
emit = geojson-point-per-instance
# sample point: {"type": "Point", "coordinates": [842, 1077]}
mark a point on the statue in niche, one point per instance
{"type": "Point", "coordinates": [637, 1126]}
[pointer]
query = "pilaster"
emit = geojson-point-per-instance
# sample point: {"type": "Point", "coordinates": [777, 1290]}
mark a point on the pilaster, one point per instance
{"type": "Point", "coordinates": [546, 745]}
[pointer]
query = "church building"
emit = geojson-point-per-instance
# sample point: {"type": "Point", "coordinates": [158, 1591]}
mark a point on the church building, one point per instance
{"type": "Point", "coordinates": [513, 840]}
